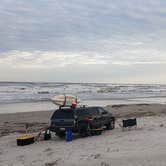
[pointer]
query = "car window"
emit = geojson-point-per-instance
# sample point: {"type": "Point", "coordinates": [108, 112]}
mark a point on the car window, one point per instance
{"type": "Point", "coordinates": [82, 112]}
{"type": "Point", "coordinates": [63, 114]}
{"type": "Point", "coordinates": [87, 112]}
{"type": "Point", "coordinates": [102, 111]}
{"type": "Point", "coordinates": [94, 111]}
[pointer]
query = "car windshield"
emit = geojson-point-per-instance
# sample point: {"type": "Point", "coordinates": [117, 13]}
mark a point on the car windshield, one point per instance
{"type": "Point", "coordinates": [83, 112]}
{"type": "Point", "coordinates": [63, 114]}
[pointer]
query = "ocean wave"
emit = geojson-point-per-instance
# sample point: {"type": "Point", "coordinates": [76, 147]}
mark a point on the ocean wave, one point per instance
{"type": "Point", "coordinates": [34, 92]}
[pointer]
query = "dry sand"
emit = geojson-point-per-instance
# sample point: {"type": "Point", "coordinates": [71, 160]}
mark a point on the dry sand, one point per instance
{"type": "Point", "coordinates": [144, 146]}
{"type": "Point", "coordinates": [16, 122]}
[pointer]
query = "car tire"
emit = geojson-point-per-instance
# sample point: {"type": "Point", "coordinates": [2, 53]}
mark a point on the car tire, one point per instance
{"type": "Point", "coordinates": [110, 125]}
{"type": "Point", "coordinates": [84, 132]}
{"type": "Point", "coordinates": [98, 132]}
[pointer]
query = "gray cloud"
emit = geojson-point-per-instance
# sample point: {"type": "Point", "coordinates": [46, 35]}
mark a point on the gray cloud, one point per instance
{"type": "Point", "coordinates": [79, 25]}
{"type": "Point", "coordinates": [60, 33]}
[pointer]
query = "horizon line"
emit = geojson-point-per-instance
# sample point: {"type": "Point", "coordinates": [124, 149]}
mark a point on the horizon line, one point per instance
{"type": "Point", "coordinates": [68, 82]}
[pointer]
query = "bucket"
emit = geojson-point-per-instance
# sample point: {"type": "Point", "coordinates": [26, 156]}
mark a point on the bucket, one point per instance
{"type": "Point", "coordinates": [68, 134]}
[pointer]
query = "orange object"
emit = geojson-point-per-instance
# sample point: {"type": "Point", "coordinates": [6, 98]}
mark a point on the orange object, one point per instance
{"type": "Point", "coordinates": [25, 140]}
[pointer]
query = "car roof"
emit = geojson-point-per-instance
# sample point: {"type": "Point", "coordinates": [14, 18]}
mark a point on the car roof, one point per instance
{"type": "Point", "coordinates": [78, 108]}
{"type": "Point", "coordinates": [88, 107]}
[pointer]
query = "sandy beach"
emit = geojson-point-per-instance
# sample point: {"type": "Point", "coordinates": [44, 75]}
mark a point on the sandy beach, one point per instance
{"type": "Point", "coordinates": [143, 146]}
{"type": "Point", "coordinates": [83, 53]}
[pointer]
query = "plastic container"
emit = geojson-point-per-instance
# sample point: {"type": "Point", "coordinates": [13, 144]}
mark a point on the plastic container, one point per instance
{"type": "Point", "coordinates": [47, 135]}
{"type": "Point", "coordinates": [25, 140]}
{"type": "Point", "coordinates": [69, 135]}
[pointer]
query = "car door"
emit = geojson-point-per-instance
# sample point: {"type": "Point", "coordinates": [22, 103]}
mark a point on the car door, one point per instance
{"type": "Point", "coordinates": [96, 117]}
{"type": "Point", "coordinates": [104, 115]}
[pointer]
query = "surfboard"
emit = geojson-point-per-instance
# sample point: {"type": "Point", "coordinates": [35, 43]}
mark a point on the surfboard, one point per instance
{"type": "Point", "coordinates": [65, 100]}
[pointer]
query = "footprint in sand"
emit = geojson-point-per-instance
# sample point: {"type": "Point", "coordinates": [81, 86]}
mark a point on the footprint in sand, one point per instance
{"type": "Point", "coordinates": [96, 156]}
{"type": "Point", "coordinates": [21, 159]}
{"type": "Point", "coordinates": [52, 163]}
{"type": "Point", "coordinates": [48, 151]}
{"type": "Point", "coordinates": [103, 163]}
{"type": "Point", "coordinates": [108, 150]}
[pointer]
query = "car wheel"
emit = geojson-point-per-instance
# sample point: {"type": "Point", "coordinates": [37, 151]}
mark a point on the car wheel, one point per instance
{"type": "Point", "coordinates": [86, 131]}
{"type": "Point", "coordinates": [110, 125]}
{"type": "Point", "coordinates": [98, 132]}
{"type": "Point", "coordinates": [82, 133]}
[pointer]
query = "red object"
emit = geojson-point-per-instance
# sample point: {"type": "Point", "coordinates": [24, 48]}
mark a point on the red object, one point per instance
{"type": "Point", "coordinates": [87, 119]}
{"type": "Point", "coordinates": [73, 105]}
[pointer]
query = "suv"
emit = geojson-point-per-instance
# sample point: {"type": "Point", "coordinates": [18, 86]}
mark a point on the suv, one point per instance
{"type": "Point", "coordinates": [83, 120]}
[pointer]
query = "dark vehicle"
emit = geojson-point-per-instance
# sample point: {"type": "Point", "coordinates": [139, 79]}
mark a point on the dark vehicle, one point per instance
{"type": "Point", "coordinates": [84, 120]}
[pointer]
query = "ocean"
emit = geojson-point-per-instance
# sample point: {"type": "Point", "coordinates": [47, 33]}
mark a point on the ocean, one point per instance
{"type": "Point", "coordinates": [32, 96]}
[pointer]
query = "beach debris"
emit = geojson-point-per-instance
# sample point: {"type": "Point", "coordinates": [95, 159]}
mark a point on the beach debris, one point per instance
{"type": "Point", "coordinates": [47, 135]}
{"type": "Point", "coordinates": [44, 134]}
{"type": "Point", "coordinates": [43, 92]}
{"type": "Point", "coordinates": [96, 156]}
{"type": "Point", "coordinates": [52, 163]}
{"type": "Point", "coordinates": [103, 163]}
{"type": "Point", "coordinates": [47, 150]}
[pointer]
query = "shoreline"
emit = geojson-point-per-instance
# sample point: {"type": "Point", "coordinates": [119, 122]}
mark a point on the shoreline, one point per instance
{"type": "Point", "coordinates": [49, 106]}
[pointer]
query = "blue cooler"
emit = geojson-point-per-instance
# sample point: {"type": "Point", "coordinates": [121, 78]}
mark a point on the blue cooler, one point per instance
{"type": "Point", "coordinates": [68, 134]}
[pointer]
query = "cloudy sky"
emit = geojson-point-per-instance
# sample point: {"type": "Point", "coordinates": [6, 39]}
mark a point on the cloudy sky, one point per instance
{"type": "Point", "coordinates": [83, 40]}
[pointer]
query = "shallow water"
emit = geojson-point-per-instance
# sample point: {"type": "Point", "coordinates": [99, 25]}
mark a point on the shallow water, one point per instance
{"type": "Point", "coordinates": [48, 105]}
{"type": "Point", "coordinates": [29, 96]}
